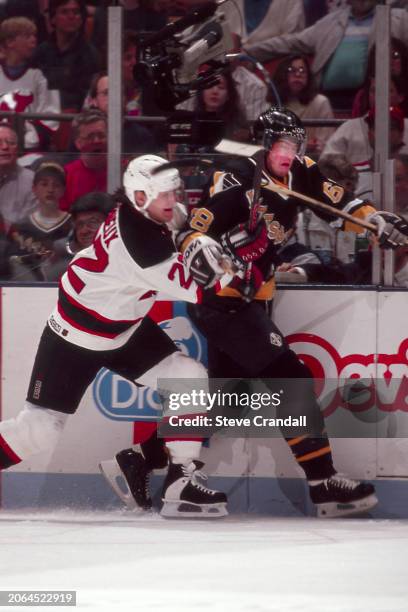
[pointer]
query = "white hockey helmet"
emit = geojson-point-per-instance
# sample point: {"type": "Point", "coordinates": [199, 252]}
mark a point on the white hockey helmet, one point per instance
{"type": "Point", "coordinates": [138, 177]}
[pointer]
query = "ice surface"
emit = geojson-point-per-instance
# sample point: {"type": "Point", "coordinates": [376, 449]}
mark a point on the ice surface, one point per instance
{"type": "Point", "coordinates": [119, 561]}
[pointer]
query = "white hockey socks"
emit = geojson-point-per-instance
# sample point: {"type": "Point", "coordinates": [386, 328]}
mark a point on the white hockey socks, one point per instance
{"type": "Point", "coordinates": [184, 451]}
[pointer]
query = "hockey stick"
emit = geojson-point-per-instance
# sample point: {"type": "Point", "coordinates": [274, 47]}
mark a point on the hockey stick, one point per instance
{"type": "Point", "coordinates": [257, 153]}
{"type": "Point", "coordinates": [271, 186]}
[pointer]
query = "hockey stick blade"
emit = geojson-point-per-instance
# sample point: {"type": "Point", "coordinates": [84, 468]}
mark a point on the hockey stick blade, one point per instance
{"type": "Point", "coordinates": [185, 162]}
{"type": "Point", "coordinates": [243, 149]}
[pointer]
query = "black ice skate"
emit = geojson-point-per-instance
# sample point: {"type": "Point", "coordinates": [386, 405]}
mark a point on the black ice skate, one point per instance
{"type": "Point", "coordinates": [340, 496]}
{"type": "Point", "coordinates": [184, 496]}
{"type": "Point", "coordinates": [129, 468]}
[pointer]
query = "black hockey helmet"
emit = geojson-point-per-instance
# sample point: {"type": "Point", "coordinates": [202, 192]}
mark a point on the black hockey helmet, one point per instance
{"type": "Point", "coordinates": [277, 123]}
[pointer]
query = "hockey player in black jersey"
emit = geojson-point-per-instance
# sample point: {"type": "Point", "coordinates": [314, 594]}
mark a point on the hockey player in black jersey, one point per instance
{"type": "Point", "coordinates": [101, 320]}
{"type": "Point", "coordinates": [242, 340]}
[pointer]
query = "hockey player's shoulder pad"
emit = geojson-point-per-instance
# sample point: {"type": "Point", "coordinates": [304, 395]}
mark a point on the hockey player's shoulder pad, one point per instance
{"type": "Point", "coordinates": [307, 161]}
{"type": "Point", "coordinates": [237, 172]}
{"type": "Point", "coordinates": [148, 243]}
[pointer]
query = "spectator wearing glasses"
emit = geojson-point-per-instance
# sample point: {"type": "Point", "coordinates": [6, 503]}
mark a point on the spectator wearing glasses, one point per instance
{"type": "Point", "coordinates": [340, 43]}
{"type": "Point", "coordinates": [298, 92]}
{"type": "Point", "coordinates": [16, 195]}
{"type": "Point", "coordinates": [89, 172]}
{"type": "Point", "coordinates": [87, 214]}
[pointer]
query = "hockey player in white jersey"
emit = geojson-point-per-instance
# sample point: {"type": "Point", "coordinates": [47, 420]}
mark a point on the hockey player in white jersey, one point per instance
{"type": "Point", "coordinates": [101, 320]}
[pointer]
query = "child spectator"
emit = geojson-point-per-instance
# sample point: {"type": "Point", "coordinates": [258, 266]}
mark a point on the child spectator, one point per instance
{"type": "Point", "coordinates": [34, 236]}
{"type": "Point", "coordinates": [298, 92]}
{"type": "Point", "coordinates": [23, 88]}
{"type": "Point", "coordinates": [67, 59]}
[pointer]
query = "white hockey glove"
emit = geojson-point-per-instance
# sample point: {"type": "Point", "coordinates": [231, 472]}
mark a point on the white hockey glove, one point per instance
{"type": "Point", "coordinates": [392, 229]}
{"type": "Point", "coordinates": [204, 259]}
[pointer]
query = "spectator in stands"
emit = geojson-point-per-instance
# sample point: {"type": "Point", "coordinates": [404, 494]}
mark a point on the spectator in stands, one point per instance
{"type": "Point", "coordinates": [256, 22]}
{"type": "Point", "coordinates": [138, 15]}
{"type": "Point", "coordinates": [33, 237]}
{"type": "Point", "coordinates": [16, 195]}
{"type": "Point", "coordinates": [67, 59]}
{"type": "Point", "coordinates": [137, 139]}
{"type": "Point", "coordinates": [35, 10]}
{"type": "Point", "coordinates": [222, 99]}
{"type": "Point", "coordinates": [298, 91]}
{"type": "Point", "coordinates": [89, 172]}
{"type": "Point", "coordinates": [365, 168]}
{"type": "Point", "coordinates": [352, 138]}
{"type": "Point", "coordinates": [23, 88]}
{"type": "Point", "coordinates": [364, 99]}
{"type": "Point", "coordinates": [133, 93]}
{"type": "Point", "coordinates": [251, 89]}
{"type": "Point", "coordinates": [401, 185]}
{"type": "Point", "coordinates": [87, 214]}
{"type": "Point", "coordinates": [340, 44]}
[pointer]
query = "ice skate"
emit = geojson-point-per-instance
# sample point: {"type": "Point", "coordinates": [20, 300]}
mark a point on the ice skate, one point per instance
{"type": "Point", "coordinates": [130, 470]}
{"type": "Point", "coordinates": [341, 496]}
{"type": "Point", "coordinates": [184, 496]}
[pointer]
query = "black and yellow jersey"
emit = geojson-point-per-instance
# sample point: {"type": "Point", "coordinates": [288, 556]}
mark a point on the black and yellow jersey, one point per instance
{"type": "Point", "coordinates": [228, 199]}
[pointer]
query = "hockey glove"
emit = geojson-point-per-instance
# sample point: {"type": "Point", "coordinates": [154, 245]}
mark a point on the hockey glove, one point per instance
{"type": "Point", "coordinates": [392, 229]}
{"type": "Point", "coordinates": [203, 257]}
{"type": "Point", "coordinates": [243, 245]}
{"type": "Point", "coordinates": [248, 289]}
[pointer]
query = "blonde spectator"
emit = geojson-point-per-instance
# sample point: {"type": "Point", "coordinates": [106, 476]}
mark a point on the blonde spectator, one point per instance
{"type": "Point", "coordinates": [23, 88]}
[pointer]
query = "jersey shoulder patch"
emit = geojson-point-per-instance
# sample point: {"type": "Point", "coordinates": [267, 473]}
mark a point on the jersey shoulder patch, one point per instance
{"type": "Point", "coordinates": [147, 242]}
{"type": "Point", "coordinates": [308, 161]}
{"type": "Point", "coordinates": [222, 181]}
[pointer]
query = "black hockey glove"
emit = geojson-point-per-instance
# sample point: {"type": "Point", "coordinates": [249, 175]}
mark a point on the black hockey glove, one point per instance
{"type": "Point", "coordinates": [203, 257]}
{"type": "Point", "coordinates": [392, 229]}
{"type": "Point", "coordinates": [243, 245]}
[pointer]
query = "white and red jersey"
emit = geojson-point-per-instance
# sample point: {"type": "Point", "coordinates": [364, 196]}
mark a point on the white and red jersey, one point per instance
{"type": "Point", "coordinates": [109, 287]}
{"type": "Point", "coordinates": [29, 92]}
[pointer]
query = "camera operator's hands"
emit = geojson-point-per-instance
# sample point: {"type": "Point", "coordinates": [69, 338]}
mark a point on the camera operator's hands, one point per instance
{"type": "Point", "coordinates": [392, 230]}
{"type": "Point", "coordinates": [244, 245]}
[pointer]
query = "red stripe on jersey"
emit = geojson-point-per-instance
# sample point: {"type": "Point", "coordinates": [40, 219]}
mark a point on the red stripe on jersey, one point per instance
{"type": "Point", "coordinates": [9, 452]}
{"type": "Point", "coordinates": [199, 294]}
{"type": "Point", "coordinates": [93, 313]}
{"type": "Point", "coordinates": [86, 329]}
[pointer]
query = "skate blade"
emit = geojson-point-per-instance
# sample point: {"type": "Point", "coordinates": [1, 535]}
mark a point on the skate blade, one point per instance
{"type": "Point", "coordinates": [113, 475]}
{"type": "Point", "coordinates": [335, 509]}
{"type": "Point", "coordinates": [181, 509]}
